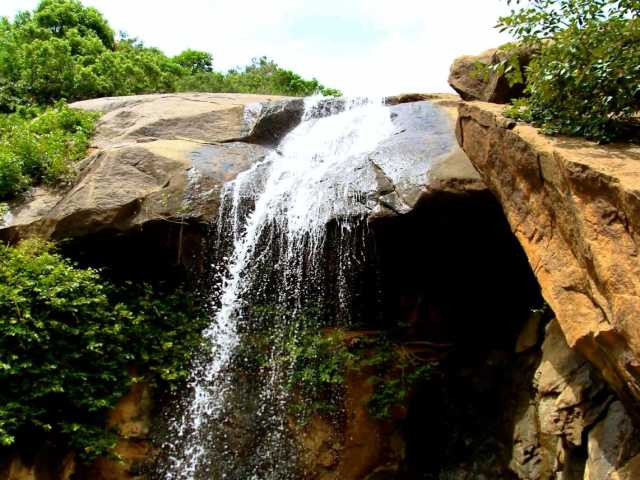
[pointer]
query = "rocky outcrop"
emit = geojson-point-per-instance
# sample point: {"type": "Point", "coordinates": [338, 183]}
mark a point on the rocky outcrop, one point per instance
{"type": "Point", "coordinates": [362, 447]}
{"type": "Point", "coordinates": [575, 208]}
{"type": "Point", "coordinates": [131, 419]}
{"type": "Point", "coordinates": [156, 158]}
{"type": "Point", "coordinates": [164, 158]}
{"type": "Point", "coordinates": [568, 422]}
{"type": "Point", "coordinates": [473, 79]}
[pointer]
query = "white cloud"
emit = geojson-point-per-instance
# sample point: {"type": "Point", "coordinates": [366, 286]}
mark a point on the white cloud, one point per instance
{"type": "Point", "coordinates": [404, 45]}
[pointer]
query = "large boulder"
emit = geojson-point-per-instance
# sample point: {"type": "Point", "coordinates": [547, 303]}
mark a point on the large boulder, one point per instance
{"type": "Point", "coordinates": [420, 158]}
{"type": "Point", "coordinates": [161, 157]}
{"type": "Point", "coordinates": [472, 77]}
{"type": "Point", "coordinates": [575, 208]}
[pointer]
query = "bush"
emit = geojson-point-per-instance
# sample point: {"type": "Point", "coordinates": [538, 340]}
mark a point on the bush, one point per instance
{"type": "Point", "coordinates": [586, 79]}
{"type": "Point", "coordinates": [63, 50]}
{"type": "Point", "coordinates": [315, 360]}
{"type": "Point", "coordinates": [41, 146]}
{"type": "Point", "coordinates": [69, 339]}
{"type": "Point", "coordinates": [262, 76]}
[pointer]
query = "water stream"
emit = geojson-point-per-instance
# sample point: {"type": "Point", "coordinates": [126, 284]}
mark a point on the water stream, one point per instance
{"type": "Point", "coordinates": [272, 236]}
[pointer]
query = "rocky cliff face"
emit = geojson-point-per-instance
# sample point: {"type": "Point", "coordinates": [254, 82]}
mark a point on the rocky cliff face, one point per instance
{"type": "Point", "coordinates": [153, 178]}
{"type": "Point", "coordinates": [574, 207]}
{"type": "Point", "coordinates": [521, 396]}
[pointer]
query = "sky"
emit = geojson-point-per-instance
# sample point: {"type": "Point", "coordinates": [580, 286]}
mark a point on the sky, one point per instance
{"type": "Point", "coordinates": [362, 47]}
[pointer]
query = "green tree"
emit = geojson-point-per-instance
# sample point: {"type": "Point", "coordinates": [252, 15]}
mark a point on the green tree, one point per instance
{"type": "Point", "coordinates": [586, 79]}
{"type": "Point", "coordinates": [61, 17]}
{"type": "Point", "coordinates": [63, 50]}
{"type": "Point", "coordinates": [195, 61]}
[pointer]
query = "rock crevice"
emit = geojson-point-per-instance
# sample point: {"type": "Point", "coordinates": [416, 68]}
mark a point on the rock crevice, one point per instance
{"type": "Point", "coordinates": [575, 208]}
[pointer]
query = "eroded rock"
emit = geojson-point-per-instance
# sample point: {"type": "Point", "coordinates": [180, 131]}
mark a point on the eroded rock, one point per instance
{"type": "Point", "coordinates": [575, 207]}
{"type": "Point", "coordinates": [156, 158]}
{"type": "Point", "coordinates": [472, 78]}
{"type": "Point", "coordinates": [612, 443]}
{"type": "Point", "coordinates": [569, 404]}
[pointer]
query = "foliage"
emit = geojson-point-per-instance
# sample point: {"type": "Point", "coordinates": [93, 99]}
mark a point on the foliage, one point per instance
{"type": "Point", "coordinates": [42, 63]}
{"type": "Point", "coordinates": [41, 145]}
{"type": "Point", "coordinates": [395, 371]}
{"type": "Point", "coordinates": [195, 61]}
{"type": "Point", "coordinates": [70, 339]}
{"type": "Point", "coordinates": [315, 362]}
{"type": "Point", "coordinates": [586, 79]}
{"type": "Point", "coordinates": [63, 50]}
{"type": "Point", "coordinates": [318, 361]}
{"type": "Point", "coordinates": [311, 361]}
{"type": "Point", "coordinates": [261, 76]}
{"type": "Point", "coordinates": [507, 64]}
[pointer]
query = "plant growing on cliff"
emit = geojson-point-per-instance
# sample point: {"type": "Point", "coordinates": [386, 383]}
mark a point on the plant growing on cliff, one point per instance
{"type": "Point", "coordinates": [69, 340]}
{"type": "Point", "coordinates": [585, 80]}
{"type": "Point", "coordinates": [394, 370]}
{"type": "Point", "coordinates": [311, 361]}
{"type": "Point", "coordinates": [40, 146]}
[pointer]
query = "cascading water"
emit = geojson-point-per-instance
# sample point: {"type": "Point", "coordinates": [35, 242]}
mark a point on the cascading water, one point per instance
{"type": "Point", "coordinates": [274, 226]}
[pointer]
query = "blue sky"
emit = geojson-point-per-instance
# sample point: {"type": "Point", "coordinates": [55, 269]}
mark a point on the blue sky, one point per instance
{"type": "Point", "coordinates": [360, 46]}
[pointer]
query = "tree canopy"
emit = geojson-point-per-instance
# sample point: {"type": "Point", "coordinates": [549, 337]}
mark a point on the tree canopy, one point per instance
{"type": "Point", "coordinates": [64, 50]}
{"type": "Point", "coordinates": [585, 80]}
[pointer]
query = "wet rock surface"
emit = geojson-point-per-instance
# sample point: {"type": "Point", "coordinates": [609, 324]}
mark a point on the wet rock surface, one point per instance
{"type": "Point", "coordinates": [164, 158]}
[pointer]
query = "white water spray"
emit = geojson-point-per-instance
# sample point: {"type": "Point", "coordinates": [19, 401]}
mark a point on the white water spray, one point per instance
{"type": "Point", "coordinates": [318, 175]}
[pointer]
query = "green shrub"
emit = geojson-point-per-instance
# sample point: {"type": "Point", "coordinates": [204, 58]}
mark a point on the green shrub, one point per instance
{"type": "Point", "coordinates": [63, 50]}
{"type": "Point", "coordinates": [69, 339]}
{"type": "Point", "coordinates": [40, 146]}
{"type": "Point", "coordinates": [317, 362]}
{"type": "Point", "coordinates": [262, 76]}
{"type": "Point", "coordinates": [394, 371]}
{"type": "Point", "coordinates": [586, 79]}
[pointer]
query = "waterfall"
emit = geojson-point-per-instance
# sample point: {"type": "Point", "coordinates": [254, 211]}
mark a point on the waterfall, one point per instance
{"type": "Point", "coordinates": [272, 238]}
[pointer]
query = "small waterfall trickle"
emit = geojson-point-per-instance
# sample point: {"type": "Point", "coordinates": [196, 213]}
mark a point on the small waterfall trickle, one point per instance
{"type": "Point", "coordinates": [278, 222]}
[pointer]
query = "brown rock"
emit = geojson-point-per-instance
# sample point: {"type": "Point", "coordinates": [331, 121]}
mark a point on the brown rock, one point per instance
{"type": "Point", "coordinates": [630, 470]}
{"type": "Point", "coordinates": [575, 208]}
{"type": "Point", "coordinates": [530, 335]}
{"type": "Point", "coordinates": [199, 117]}
{"type": "Point", "coordinates": [156, 158]}
{"type": "Point", "coordinates": [358, 446]}
{"type": "Point", "coordinates": [131, 418]}
{"type": "Point", "coordinates": [567, 399]}
{"type": "Point", "coordinates": [612, 442]}
{"type": "Point", "coordinates": [473, 82]}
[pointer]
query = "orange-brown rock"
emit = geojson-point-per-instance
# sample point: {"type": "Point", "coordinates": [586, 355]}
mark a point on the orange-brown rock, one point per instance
{"type": "Point", "coordinates": [359, 446]}
{"type": "Point", "coordinates": [575, 207]}
{"type": "Point", "coordinates": [131, 418]}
